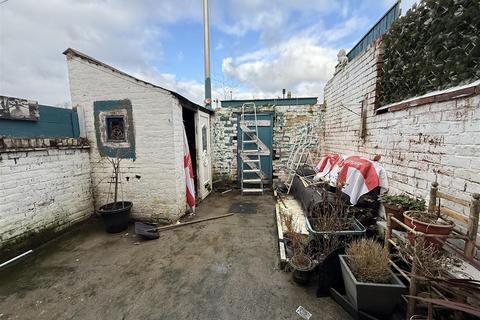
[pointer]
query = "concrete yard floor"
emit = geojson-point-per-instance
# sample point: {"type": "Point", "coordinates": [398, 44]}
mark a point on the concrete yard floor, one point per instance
{"type": "Point", "coordinates": [220, 269]}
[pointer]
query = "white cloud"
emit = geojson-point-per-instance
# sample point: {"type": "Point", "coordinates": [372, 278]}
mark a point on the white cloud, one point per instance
{"type": "Point", "coordinates": [302, 63]}
{"type": "Point", "coordinates": [343, 29]}
{"type": "Point", "coordinates": [128, 35]}
{"type": "Point", "coordinates": [273, 19]}
{"type": "Point", "coordinates": [192, 90]}
{"type": "Point", "coordinates": [123, 33]}
{"type": "Point", "coordinates": [299, 65]}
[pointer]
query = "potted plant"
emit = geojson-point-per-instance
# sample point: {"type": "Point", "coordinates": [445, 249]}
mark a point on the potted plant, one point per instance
{"type": "Point", "coordinates": [301, 262]}
{"type": "Point", "coordinates": [328, 247]}
{"type": "Point", "coordinates": [428, 223]}
{"type": "Point", "coordinates": [288, 230]}
{"type": "Point", "coordinates": [435, 279]}
{"type": "Point", "coordinates": [370, 284]}
{"type": "Point", "coordinates": [115, 215]}
{"type": "Point", "coordinates": [331, 216]}
{"type": "Point", "coordinates": [396, 204]}
{"type": "Point", "coordinates": [331, 225]}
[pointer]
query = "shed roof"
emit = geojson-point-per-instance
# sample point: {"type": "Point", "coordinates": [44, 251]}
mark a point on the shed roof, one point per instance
{"type": "Point", "coordinates": [275, 101]}
{"type": "Point", "coordinates": [183, 101]}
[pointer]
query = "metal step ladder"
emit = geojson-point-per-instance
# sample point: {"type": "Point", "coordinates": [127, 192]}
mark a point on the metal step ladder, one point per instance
{"type": "Point", "coordinates": [300, 154]}
{"type": "Point", "coordinates": [251, 167]}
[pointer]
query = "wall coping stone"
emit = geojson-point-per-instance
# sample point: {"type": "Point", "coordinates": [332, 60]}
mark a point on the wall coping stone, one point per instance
{"type": "Point", "coordinates": [8, 144]}
{"type": "Point", "coordinates": [435, 96]}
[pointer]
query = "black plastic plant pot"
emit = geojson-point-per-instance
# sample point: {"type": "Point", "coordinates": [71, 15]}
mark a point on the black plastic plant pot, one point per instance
{"type": "Point", "coordinates": [302, 274]}
{"type": "Point", "coordinates": [116, 216]}
{"type": "Point", "coordinates": [301, 277]}
{"type": "Point", "coordinates": [328, 275]}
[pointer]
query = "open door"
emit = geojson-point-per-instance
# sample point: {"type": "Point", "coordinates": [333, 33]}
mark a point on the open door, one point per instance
{"type": "Point", "coordinates": [204, 163]}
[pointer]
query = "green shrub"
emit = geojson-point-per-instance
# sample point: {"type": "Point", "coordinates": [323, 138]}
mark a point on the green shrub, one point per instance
{"type": "Point", "coordinates": [404, 200]}
{"type": "Point", "coordinates": [436, 45]}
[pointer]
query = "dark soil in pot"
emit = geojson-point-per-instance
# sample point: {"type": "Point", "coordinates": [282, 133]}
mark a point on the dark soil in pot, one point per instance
{"type": "Point", "coordinates": [396, 211]}
{"type": "Point", "coordinates": [302, 269]}
{"type": "Point", "coordinates": [427, 223]}
{"type": "Point", "coordinates": [116, 216]}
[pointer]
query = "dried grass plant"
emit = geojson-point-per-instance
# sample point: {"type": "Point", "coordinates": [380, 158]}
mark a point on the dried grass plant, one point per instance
{"type": "Point", "coordinates": [431, 262]}
{"type": "Point", "coordinates": [287, 219]}
{"type": "Point", "coordinates": [329, 216]}
{"type": "Point", "coordinates": [436, 284]}
{"type": "Point", "coordinates": [337, 206]}
{"type": "Point", "coordinates": [369, 261]}
{"type": "Point", "coordinates": [329, 221]}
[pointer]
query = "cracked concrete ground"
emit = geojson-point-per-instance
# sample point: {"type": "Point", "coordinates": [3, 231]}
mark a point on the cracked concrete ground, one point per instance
{"type": "Point", "coordinates": [220, 269]}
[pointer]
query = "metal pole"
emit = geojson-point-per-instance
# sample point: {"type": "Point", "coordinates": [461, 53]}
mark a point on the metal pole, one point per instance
{"type": "Point", "coordinates": [206, 44]}
{"type": "Point", "coordinates": [15, 259]}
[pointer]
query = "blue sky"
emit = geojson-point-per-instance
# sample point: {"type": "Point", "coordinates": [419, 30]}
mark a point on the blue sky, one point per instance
{"type": "Point", "coordinates": [258, 47]}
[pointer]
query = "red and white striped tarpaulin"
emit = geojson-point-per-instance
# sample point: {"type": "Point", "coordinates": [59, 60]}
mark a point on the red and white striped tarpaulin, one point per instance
{"type": "Point", "coordinates": [326, 164]}
{"type": "Point", "coordinates": [187, 164]}
{"type": "Point", "coordinates": [358, 176]}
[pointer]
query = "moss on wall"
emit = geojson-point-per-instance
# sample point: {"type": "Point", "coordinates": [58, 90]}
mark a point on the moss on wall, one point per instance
{"type": "Point", "coordinates": [436, 45]}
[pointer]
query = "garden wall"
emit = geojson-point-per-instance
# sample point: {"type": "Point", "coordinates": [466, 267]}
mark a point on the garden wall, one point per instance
{"type": "Point", "coordinates": [290, 122]}
{"type": "Point", "coordinates": [45, 187]}
{"type": "Point", "coordinates": [439, 132]}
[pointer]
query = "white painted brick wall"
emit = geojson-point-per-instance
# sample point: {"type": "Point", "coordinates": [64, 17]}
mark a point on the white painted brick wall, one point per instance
{"type": "Point", "coordinates": [412, 142]}
{"type": "Point", "coordinates": [290, 123]}
{"type": "Point", "coordinates": [43, 190]}
{"type": "Point", "coordinates": [157, 116]}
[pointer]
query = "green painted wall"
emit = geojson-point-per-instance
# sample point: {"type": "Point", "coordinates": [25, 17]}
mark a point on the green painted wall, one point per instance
{"type": "Point", "coordinates": [53, 122]}
{"type": "Point", "coordinates": [111, 150]}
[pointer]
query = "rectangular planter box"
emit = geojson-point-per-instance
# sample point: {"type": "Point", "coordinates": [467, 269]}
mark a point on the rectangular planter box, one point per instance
{"type": "Point", "coordinates": [358, 229]}
{"type": "Point", "coordinates": [374, 298]}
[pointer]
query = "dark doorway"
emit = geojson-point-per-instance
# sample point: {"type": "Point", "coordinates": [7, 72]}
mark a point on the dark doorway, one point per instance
{"type": "Point", "coordinates": [189, 123]}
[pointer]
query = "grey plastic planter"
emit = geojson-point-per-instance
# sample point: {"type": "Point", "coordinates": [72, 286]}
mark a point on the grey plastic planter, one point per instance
{"type": "Point", "coordinates": [358, 229]}
{"type": "Point", "coordinates": [374, 298]}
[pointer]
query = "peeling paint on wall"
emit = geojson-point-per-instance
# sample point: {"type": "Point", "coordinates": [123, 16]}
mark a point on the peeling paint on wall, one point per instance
{"type": "Point", "coordinates": [290, 123]}
{"type": "Point", "coordinates": [114, 108]}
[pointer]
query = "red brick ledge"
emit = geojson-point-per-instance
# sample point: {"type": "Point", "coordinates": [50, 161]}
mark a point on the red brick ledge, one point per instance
{"type": "Point", "coordinates": [441, 96]}
{"type": "Point", "coordinates": [8, 144]}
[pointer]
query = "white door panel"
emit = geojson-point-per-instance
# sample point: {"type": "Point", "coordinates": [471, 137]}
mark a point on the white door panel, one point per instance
{"type": "Point", "coordinates": [204, 163]}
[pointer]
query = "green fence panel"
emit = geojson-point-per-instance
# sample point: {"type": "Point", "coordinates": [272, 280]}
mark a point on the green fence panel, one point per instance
{"type": "Point", "coordinates": [53, 123]}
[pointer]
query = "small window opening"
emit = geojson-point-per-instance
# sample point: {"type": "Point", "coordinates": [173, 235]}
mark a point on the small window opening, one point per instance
{"type": "Point", "coordinates": [116, 129]}
{"type": "Point", "coordinates": [204, 138]}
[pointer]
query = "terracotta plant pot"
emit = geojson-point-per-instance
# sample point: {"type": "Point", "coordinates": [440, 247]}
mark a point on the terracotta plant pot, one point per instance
{"type": "Point", "coordinates": [428, 228]}
{"type": "Point", "coordinates": [396, 211]}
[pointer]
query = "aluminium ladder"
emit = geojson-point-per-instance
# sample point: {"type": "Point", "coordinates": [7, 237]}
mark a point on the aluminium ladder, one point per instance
{"type": "Point", "coordinates": [300, 154]}
{"type": "Point", "coordinates": [251, 168]}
